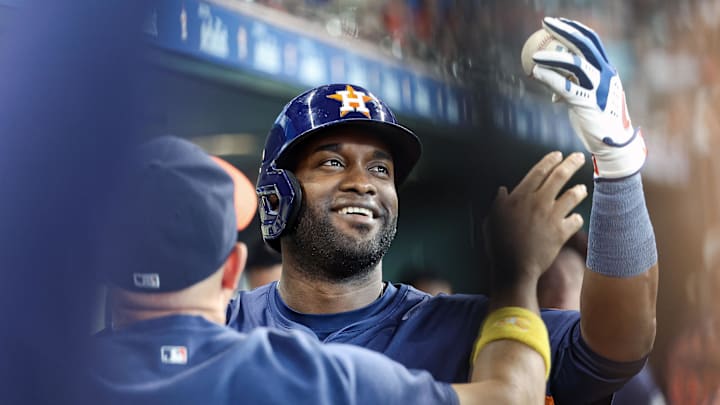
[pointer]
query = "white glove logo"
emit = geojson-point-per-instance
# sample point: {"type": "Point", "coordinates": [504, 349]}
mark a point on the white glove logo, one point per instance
{"type": "Point", "coordinates": [596, 101]}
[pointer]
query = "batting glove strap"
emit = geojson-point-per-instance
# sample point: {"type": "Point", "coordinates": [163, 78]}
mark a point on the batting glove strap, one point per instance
{"type": "Point", "coordinates": [620, 160]}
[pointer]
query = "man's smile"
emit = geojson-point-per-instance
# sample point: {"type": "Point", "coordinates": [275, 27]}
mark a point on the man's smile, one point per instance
{"type": "Point", "coordinates": [356, 211]}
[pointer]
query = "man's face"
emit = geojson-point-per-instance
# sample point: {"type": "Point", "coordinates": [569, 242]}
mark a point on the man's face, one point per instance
{"type": "Point", "coordinates": [349, 214]}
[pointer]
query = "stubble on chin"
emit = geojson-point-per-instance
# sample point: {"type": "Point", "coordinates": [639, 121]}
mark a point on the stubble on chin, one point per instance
{"type": "Point", "coordinates": [324, 252]}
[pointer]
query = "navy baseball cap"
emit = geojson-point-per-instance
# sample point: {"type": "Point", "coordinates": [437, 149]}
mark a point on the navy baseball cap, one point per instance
{"type": "Point", "coordinates": [176, 217]}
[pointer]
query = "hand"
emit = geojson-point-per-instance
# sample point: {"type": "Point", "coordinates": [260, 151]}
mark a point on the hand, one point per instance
{"type": "Point", "coordinates": [526, 228]}
{"type": "Point", "coordinates": [596, 100]}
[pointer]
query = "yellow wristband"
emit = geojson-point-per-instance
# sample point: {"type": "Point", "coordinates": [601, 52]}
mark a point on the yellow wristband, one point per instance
{"type": "Point", "coordinates": [518, 324]}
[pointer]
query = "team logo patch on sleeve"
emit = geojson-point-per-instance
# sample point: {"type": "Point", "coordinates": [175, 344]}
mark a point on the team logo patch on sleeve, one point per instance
{"type": "Point", "coordinates": [173, 354]}
{"type": "Point", "coordinates": [352, 101]}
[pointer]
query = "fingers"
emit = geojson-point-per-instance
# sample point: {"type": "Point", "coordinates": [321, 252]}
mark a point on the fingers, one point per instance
{"type": "Point", "coordinates": [570, 226]}
{"type": "Point", "coordinates": [566, 62]}
{"type": "Point", "coordinates": [570, 199]}
{"type": "Point", "coordinates": [560, 175]}
{"type": "Point", "coordinates": [537, 175]}
{"type": "Point", "coordinates": [499, 201]}
{"type": "Point", "coordinates": [559, 84]}
{"type": "Point", "coordinates": [570, 35]}
{"type": "Point", "coordinates": [588, 32]}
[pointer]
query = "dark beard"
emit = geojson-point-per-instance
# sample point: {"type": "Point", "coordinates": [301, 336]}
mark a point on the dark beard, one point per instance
{"type": "Point", "coordinates": [322, 252]}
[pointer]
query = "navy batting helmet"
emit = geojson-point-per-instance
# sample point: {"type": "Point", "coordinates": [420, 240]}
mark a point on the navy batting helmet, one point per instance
{"type": "Point", "coordinates": [310, 113]}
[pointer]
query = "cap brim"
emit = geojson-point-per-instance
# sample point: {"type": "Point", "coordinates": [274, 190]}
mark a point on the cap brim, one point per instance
{"type": "Point", "coordinates": [244, 195]}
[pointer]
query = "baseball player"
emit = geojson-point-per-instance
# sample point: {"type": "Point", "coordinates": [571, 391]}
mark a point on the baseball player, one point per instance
{"type": "Point", "coordinates": [328, 202]}
{"type": "Point", "coordinates": [172, 267]}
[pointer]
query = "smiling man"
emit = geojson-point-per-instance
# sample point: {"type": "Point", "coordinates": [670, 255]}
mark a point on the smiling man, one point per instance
{"type": "Point", "coordinates": [328, 202]}
{"type": "Point", "coordinates": [348, 222]}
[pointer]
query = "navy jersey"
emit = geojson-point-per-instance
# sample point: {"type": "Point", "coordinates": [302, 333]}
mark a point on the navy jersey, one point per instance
{"type": "Point", "coordinates": [436, 333]}
{"type": "Point", "coordinates": [186, 359]}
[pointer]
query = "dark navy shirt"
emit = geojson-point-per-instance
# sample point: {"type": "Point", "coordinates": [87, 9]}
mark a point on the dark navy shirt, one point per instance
{"type": "Point", "coordinates": [437, 334]}
{"type": "Point", "coordinates": [186, 359]}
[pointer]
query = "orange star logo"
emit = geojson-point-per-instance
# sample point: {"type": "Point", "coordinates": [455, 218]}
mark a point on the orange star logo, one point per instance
{"type": "Point", "coordinates": [352, 101]}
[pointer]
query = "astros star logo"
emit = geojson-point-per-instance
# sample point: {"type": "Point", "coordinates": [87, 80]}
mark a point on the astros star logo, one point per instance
{"type": "Point", "coordinates": [351, 101]}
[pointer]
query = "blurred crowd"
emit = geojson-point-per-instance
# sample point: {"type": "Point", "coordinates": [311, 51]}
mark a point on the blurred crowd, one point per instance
{"type": "Point", "coordinates": [442, 34]}
{"type": "Point", "coordinates": [667, 46]}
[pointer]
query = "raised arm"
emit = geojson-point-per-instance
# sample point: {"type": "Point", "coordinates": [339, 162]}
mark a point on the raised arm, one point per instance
{"type": "Point", "coordinates": [512, 355]}
{"type": "Point", "coordinates": [620, 285]}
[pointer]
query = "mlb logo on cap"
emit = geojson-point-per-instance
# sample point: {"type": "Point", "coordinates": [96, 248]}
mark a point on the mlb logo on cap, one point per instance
{"type": "Point", "coordinates": [173, 354]}
{"type": "Point", "coordinates": [146, 280]}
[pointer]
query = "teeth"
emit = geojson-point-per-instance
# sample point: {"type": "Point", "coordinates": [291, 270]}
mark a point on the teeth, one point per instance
{"type": "Point", "coordinates": [356, 210]}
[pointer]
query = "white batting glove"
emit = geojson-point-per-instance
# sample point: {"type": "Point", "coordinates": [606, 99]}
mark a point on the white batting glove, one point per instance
{"type": "Point", "coordinates": [597, 108]}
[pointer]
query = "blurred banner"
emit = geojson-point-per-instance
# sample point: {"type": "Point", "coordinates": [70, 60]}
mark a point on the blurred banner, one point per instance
{"type": "Point", "coordinates": [279, 50]}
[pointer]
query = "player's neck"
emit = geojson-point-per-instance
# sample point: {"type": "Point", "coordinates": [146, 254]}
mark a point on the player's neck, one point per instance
{"type": "Point", "coordinates": [313, 296]}
{"type": "Point", "coordinates": [124, 318]}
{"type": "Point", "coordinates": [131, 307]}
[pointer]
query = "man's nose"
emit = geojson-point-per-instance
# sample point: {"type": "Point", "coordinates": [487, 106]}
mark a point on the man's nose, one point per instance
{"type": "Point", "coordinates": [359, 180]}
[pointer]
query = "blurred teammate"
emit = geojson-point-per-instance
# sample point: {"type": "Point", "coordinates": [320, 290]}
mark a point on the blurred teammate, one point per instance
{"type": "Point", "coordinates": [328, 202]}
{"type": "Point", "coordinates": [560, 286]}
{"type": "Point", "coordinates": [70, 74]}
{"type": "Point", "coordinates": [173, 267]}
{"type": "Point", "coordinates": [427, 281]}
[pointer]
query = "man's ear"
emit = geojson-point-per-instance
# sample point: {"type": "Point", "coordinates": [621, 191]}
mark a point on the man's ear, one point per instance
{"type": "Point", "coordinates": [234, 266]}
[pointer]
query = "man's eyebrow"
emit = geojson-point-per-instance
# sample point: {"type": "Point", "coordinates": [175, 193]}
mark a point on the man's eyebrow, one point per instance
{"type": "Point", "coordinates": [381, 154]}
{"type": "Point", "coordinates": [335, 147]}
{"type": "Point", "coordinates": [332, 147]}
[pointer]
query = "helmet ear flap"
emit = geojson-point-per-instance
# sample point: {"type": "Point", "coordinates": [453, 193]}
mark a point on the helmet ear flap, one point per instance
{"type": "Point", "coordinates": [295, 206]}
{"type": "Point", "coordinates": [280, 198]}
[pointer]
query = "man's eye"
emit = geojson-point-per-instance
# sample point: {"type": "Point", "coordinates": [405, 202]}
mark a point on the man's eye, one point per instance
{"type": "Point", "coordinates": [332, 162]}
{"type": "Point", "coordinates": [380, 169]}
